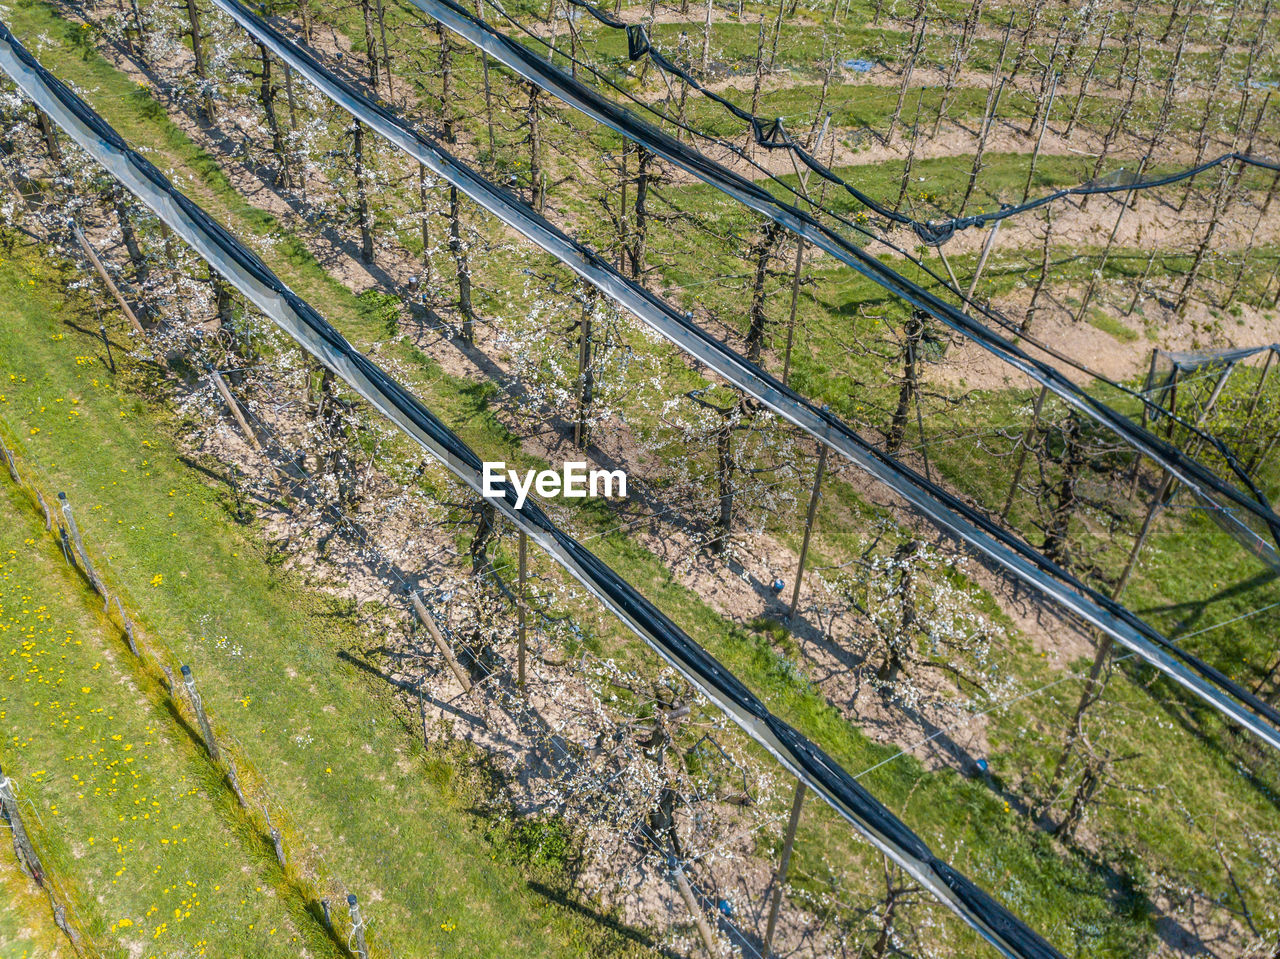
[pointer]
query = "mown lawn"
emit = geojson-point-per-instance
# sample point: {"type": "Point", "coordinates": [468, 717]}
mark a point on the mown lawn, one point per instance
{"type": "Point", "coordinates": [132, 821]}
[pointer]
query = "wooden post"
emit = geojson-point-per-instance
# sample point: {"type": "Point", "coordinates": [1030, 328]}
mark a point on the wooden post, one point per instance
{"type": "Point", "coordinates": [686, 893]}
{"type": "Point", "coordinates": [233, 780]}
{"type": "Point", "coordinates": [8, 460]}
{"type": "Point", "coordinates": [955, 284]}
{"type": "Point", "coordinates": [1022, 454]}
{"type": "Point", "coordinates": [197, 704]}
{"type": "Point", "coordinates": [230, 400]}
{"type": "Point", "coordinates": [523, 570]}
{"type": "Point", "coordinates": [105, 277]}
{"type": "Point", "coordinates": [48, 517]}
{"type": "Point", "coordinates": [276, 839]}
{"type": "Point", "coordinates": [780, 878]}
{"type": "Point", "coordinates": [75, 536]}
{"type": "Point", "coordinates": [26, 852]}
{"type": "Point", "coordinates": [982, 261]}
{"type": "Point", "coordinates": [800, 245]}
{"type": "Point", "coordinates": [808, 526]}
{"type": "Point", "coordinates": [128, 627]}
{"type": "Point", "coordinates": [357, 926]}
{"type": "Point", "coordinates": [439, 640]}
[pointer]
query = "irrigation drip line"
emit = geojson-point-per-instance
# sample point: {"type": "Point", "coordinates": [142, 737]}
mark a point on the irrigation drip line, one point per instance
{"type": "Point", "coordinates": [772, 135]}
{"type": "Point", "coordinates": [244, 270]}
{"type": "Point", "coordinates": [945, 509]}
{"type": "Point", "coordinates": [590, 102]}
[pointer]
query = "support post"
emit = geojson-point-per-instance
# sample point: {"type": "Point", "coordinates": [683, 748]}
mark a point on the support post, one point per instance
{"type": "Point", "coordinates": [105, 277]}
{"type": "Point", "coordinates": [8, 461]}
{"type": "Point", "coordinates": [276, 839]}
{"type": "Point", "coordinates": [26, 852]}
{"type": "Point", "coordinates": [206, 731]}
{"type": "Point", "coordinates": [808, 527]}
{"type": "Point", "coordinates": [784, 864]}
{"type": "Point", "coordinates": [127, 623]}
{"type": "Point", "coordinates": [357, 927]}
{"type": "Point", "coordinates": [686, 893]}
{"type": "Point", "coordinates": [523, 572]}
{"type": "Point", "coordinates": [425, 618]}
{"type": "Point", "coordinates": [230, 400]}
{"type": "Point", "coordinates": [75, 536]}
{"type": "Point", "coordinates": [1022, 454]}
{"type": "Point", "coordinates": [800, 245]}
{"type": "Point", "coordinates": [982, 261]}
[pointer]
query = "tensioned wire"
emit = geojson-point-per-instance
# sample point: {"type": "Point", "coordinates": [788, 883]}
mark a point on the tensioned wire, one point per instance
{"type": "Point", "coordinates": [771, 135]}
{"type": "Point", "coordinates": [1047, 686]}
{"type": "Point", "coordinates": [1010, 325]}
{"type": "Point", "coordinates": [986, 309]}
{"type": "Point", "coordinates": [590, 102]}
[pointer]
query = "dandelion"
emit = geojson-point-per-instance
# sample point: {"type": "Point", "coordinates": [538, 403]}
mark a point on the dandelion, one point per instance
{"type": "Point", "coordinates": [157, 579]}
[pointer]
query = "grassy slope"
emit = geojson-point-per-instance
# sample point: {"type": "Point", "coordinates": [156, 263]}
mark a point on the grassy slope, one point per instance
{"type": "Point", "coordinates": [131, 819]}
{"type": "Point", "coordinates": [26, 923]}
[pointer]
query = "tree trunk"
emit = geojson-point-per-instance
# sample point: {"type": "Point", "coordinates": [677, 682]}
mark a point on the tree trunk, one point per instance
{"type": "Point", "coordinates": [370, 45]}
{"type": "Point", "coordinates": [446, 85]}
{"type": "Point", "coordinates": [1215, 218]}
{"type": "Point", "coordinates": [362, 196]}
{"type": "Point", "coordinates": [1026, 39]}
{"type": "Point", "coordinates": [724, 478]}
{"type": "Point", "coordinates": [460, 262]}
{"type": "Point", "coordinates": [1044, 271]}
{"type": "Point", "coordinates": [1072, 459]}
{"type": "Point", "coordinates": [1088, 76]}
{"type": "Point", "coordinates": [755, 86]}
{"type": "Point", "coordinates": [424, 212]}
{"type": "Point", "coordinates": [267, 93]}
{"type": "Point", "coordinates": [907, 70]}
{"type": "Point", "coordinates": [129, 235]}
{"type": "Point", "coordinates": [911, 156]}
{"type": "Point", "coordinates": [993, 104]}
{"type": "Point", "coordinates": [202, 70]}
{"type": "Point", "coordinates": [639, 235]}
{"type": "Point", "coordinates": [535, 151]}
{"type": "Point", "coordinates": [762, 252]}
{"type": "Point", "coordinates": [907, 390]}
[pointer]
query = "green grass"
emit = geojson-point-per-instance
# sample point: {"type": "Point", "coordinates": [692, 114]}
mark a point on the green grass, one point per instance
{"type": "Point", "coordinates": [27, 929]}
{"type": "Point", "coordinates": [1104, 321]}
{"type": "Point", "coordinates": [133, 822]}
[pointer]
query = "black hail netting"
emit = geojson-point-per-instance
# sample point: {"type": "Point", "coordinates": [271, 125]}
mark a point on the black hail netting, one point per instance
{"type": "Point", "coordinates": [1246, 516]}
{"type": "Point", "coordinates": [255, 281]}
{"type": "Point", "coordinates": [948, 511]}
{"type": "Point", "coordinates": [772, 135]}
